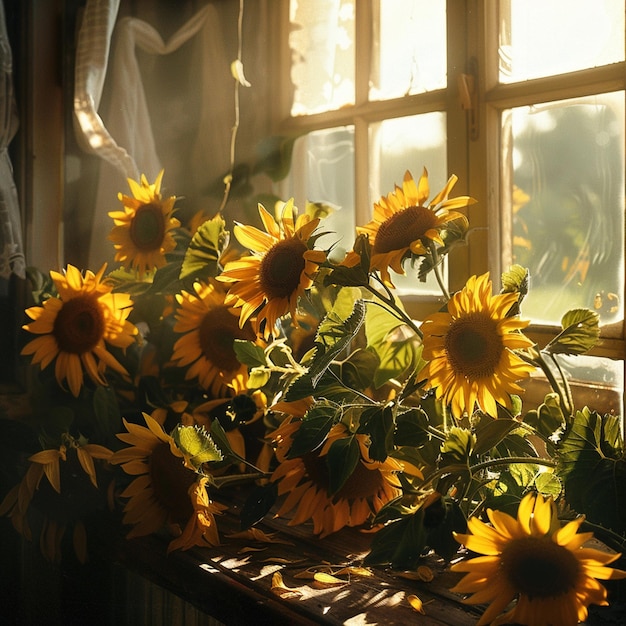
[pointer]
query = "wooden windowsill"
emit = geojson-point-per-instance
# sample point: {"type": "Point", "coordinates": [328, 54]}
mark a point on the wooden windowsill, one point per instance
{"type": "Point", "coordinates": [232, 582]}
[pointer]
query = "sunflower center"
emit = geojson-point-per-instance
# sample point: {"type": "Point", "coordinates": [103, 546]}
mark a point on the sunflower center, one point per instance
{"type": "Point", "coordinates": [79, 325]}
{"type": "Point", "coordinates": [539, 568]}
{"type": "Point", "coordinates": [474, 346]}
{"type": "Point", "coordinates": [170, 481]}
{"type": "Point", "coordinates": [281, 268]}
{"type": "Point", "coordinates": [362, 483]}
{"type": "Point", "coordinates": [403, 228]}
{"type": "Point", "coordinates": [147, 228]}
{"type": "Point", "coordinates": [218, 330]}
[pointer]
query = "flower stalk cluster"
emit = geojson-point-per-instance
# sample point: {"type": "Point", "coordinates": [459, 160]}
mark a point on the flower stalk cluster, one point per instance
{"type": "Point", "coordinates": [195, 365]}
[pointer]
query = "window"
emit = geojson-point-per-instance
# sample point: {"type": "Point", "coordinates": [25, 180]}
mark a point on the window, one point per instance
{"type": "Point", "coordinates": [504, 95]}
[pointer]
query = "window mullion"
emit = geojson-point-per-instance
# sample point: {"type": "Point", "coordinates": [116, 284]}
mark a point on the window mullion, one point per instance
{"type": "Point", "coordinates": [364, 25]}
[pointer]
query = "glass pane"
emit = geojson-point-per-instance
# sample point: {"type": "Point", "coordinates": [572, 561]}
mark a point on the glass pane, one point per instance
{"type": "Point", "coordinates": [322, 170]}
{"type": "Point", "coordinates": [409, 48]}
{"type": "Point", "coordinates": [411, 143]}
{"type": "Point", "coordinates": [567, 204]}
{"type": "Point", "coordinates": [322, 48]}
{"type": "Point", "coordinates": [539, 38]}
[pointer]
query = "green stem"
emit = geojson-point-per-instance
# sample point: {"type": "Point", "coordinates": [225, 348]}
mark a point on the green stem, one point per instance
{"type": "Point", "coordinates": [540, 362]}
{"type": "Point", "coordinates": [609, 537]}
{"type": "Point", "coordinates": [396, 311]}
{"type": "Point", "coordinates": [437, 269]}
{"type": "Point", "coordinates": [565, 385]}
{"type": "Point", "coordinates": [235, 479]}
{"type": "Point", "coordinates": [449, 469]}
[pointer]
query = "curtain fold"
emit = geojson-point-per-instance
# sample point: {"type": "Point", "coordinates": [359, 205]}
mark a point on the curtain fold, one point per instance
{"type": "Point", "coordinates": [143, 103]}
{"type": "Point", "coordinates": [11, 251]}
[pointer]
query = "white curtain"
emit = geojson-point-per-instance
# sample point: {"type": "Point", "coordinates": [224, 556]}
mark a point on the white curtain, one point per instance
{"type": "Point", "coordinates": [139, 119]}
{"type": "Point", "coordinates": [11, 251]}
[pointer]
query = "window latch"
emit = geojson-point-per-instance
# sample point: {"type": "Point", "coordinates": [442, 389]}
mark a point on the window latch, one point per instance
{"type": "Point", "coordinates": [468, 97]}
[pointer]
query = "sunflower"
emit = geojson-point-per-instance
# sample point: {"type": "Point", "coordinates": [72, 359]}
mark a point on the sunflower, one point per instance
{"type": "Point", "coordinates": [470, 349]}
{"type": "Point", "coordinates": [306, 481]}
{"type": "Point", "coordinates": [141, 232]}
{"type": "Point", "coordinates": [165, 492]}
{"type": "Point", "coordinates": [74, 327]}
{"type": "Point", "coordinates": [403, 224]}
{"type": "Point", "coordinates": [535, 560]}
{"type": "Point", "coordinates": [209, 329]}
{"type": "Point", "coordinates": [68, 495]}
{"type": "Point", "coordinates": [269, 282]}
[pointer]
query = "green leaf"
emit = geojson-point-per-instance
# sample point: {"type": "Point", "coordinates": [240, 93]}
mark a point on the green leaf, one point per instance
{"type": "Point", "coordinates": [196, 444]}
{"type": "Point", "coordinates": [458, 446]}
{"type": "Point", "coordinates": [314, 428]}
{"type": "Point", "coordinates": [378, 422]}
{"type": "Point", "coordinates": [402, 542]}
{"type": "Point", "coordinates": [218, 435]}
{"type": "Point", "coordinates": [453, 234]}
{"type": "Point", "coordinates": [548, 417]}
{"type": "Point", "coordinates": [581, 331]}
{"type": "Point", "coordinates": [357, 371]}
{"type": "Point", "coordinates": [490, 432]}
{"type": "Point", "coordinates": [203, 253]}
{"type": "Point", "coordinates": [397, 346]}
{"type": "Point", "coordinates": [593, 466]}
{"type": "Point", "coordinates": [334, 334]}
{"type": "Point", "coordinates": [258, 504]}
{"type": "Point", "coordinates": [342, 458]}
{"type": "Point", "coordinates": [259, 377]}
{"type": "Point", "coordinates": [412, 428]}
{"type": "Point", "coordinates": [107, 419]}
{"type": "Point", "coordinates": [399, 544]}
{"type": "Point", "coordinates": [249, 353]}
{"type": "Point", "coordinates": [515, 280]}
{"type": "Point", "coordinates": [441, 519]}
{"type": "Point", "coordinates": [549, 484]}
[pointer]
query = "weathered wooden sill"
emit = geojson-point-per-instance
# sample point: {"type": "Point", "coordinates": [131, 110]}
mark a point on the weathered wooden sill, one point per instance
{"type": "Point", "coordinates": [232, 583]}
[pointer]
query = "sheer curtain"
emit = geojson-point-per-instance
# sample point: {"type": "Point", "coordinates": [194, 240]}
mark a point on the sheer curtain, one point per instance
{"type": "Point", "coordinates": [11, 251]}
{"type": "Point", "coordinates": [144, 101]}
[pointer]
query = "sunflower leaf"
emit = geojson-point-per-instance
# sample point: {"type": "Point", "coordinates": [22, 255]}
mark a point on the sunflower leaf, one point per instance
{"type": "Point", "coordinates": [452, 235]}
{"type": "Point", "coordinates": [548, 417]}
{"type": "Point", "coordinates": [220, 439]}
{"type": "Point", "coordinates": [592, 462]}
{"type": "Point", "coordinates": [314, 428]}
{"type": "Point", "coordinates": [334, 334]}
{"type": "Point", "coordinates": [342, 459]}
{"type": "Point", "coordinates": [490, 432]}
{"type": "Point", "coordinates": [358, 274]}
{"type": "Point", "coordinates": [458, 446]}
{"type": "Point", "coordinates": [412, 428]}
{"type": "Point", "coordinates": [581, 331]}
{"type": "Point", "coordinates": [515, 280]}
{"type": "Point", "coordinates": [106, 420]}
{"type": "Point", "coordinates": [396, 345]}
{"type": "Point", "coordinates": [203, 253]}
{"type": "Point", "coordinates": [249, 353]}
{"type": "Point", "coordinates": [400, 543]}
{"type": "Point", "coordinates": [196, 444]}
{"type": "Point", "coordinates": [258, 503]}
{"type": "Point", "coordinates": [378, 422]}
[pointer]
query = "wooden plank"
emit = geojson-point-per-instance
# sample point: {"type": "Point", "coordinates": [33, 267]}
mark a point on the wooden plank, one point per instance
{"type": "Point", "coordinates": [233, 582]}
